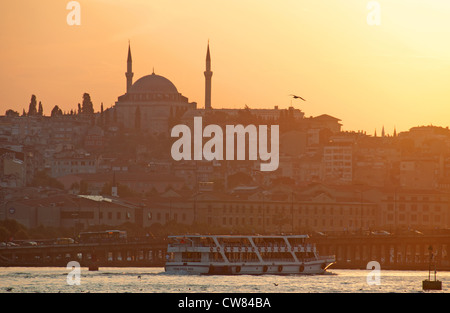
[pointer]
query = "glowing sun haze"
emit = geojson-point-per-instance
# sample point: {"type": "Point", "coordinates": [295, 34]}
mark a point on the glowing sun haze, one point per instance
{"type": "Point", "coordinates": [395, 74]}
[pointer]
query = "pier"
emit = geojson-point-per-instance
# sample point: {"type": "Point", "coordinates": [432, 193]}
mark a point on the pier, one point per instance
{"type": "Point", "coordinates": [402, 252]}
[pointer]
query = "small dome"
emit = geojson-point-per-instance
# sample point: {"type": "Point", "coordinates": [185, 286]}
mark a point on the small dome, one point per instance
{"type": "Point", "coordinates": [153, 84]}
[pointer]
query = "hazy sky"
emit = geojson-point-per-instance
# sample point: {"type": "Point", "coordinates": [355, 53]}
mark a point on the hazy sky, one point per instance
{"type": "Point", "coordinates": [394, 74]}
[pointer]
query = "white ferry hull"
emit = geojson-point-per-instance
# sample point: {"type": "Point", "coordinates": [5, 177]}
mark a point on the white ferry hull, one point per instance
{"type": "Point", "coordinates": [310, 268]}
{"type": "Point", "coordinates": [244, 255]}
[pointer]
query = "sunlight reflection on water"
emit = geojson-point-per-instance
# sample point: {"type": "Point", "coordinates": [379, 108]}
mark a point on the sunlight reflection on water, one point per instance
{"type": "Point", "coordinates": [155, 280]}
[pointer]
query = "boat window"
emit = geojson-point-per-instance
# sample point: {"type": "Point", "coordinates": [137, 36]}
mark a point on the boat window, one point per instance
{"type": "Point", "coordinates": [191, 256]}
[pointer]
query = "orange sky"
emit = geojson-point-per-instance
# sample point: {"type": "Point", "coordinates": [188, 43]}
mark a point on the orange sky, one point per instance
{"type": "Point", "coordinates": [395, 74]}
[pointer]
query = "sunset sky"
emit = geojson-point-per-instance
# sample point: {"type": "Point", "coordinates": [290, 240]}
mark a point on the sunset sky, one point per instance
{"type": "Point", "coordinates": [395, 74]}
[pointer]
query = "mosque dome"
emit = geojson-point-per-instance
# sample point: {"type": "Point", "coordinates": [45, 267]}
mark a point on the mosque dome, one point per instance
{"type": "Point", "coordinates": [153, 84]}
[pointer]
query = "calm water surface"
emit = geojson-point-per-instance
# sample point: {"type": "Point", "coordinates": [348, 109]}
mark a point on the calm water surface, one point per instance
{"type": "Point", "coordinates": [155, 280]}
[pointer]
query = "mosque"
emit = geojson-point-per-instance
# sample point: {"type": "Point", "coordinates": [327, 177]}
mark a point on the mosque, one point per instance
{"type": "Point", "coordinates": [153, 104]}
{"type": "Point", "coordinates": [152, 101]}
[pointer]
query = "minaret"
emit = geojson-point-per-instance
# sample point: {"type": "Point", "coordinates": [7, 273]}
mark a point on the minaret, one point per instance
{"type": "Point", "coordinates": [129, 74]}
{"type": "Point", "coordinates": [208, 75]}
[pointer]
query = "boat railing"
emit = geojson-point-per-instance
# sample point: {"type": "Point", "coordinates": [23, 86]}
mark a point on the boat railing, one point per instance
{"type": "Point", "coordinates": [227, 245]}
{"type": "Point", "coordinates": [261, 248]}
{"type": "Point", "coordinates": [258, 245]}
{"type": "Point", "coordinates": [289, 260]}
{"type": "Point", "coordinates": [307, 259]}
{"type": "Point", "coordinates": [268, 260]}
{"type": "Point", "coordinates": [286, 260]}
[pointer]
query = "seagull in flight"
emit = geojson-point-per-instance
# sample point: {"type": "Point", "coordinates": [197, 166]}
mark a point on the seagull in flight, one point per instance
{"type": "Point", "coordinates": [297, 97]}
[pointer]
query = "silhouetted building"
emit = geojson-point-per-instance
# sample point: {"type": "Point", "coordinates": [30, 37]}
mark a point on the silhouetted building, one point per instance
{"type": "Point", "coordinates": [156, 97]}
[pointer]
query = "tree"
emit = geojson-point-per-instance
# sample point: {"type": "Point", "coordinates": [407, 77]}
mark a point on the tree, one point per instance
{"type": "Point", "coordinates": [21, 235]}
{"type": "Point", "coordinates": [13, 227]}
{"type": "Point", "coordinates": [41, 179]}
{"type": "Point", "coordinates": [11, 113]}
{"type": "Point", "coordinates": [32, 110]}
{"type": "Point", "coordinates": [40, 110]}
{"type": "Point", "coordinates": [56, 111]}
{"type": "Point", "coordinates": [122, 190]}
{"type": "Point", "coordinates": [5, 234]}
{"type": "Point", "coordinates": [87, 107]}
{"type": "Point", "coordinates": [102, 117]}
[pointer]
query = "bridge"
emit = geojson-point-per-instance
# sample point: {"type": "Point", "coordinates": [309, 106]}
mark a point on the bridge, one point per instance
{"type": "Point", "coordinates": [149, 253]}
{"type": "Point", "coordinates": [396, 252]}
{"type": "Point", "coordinates": [402, 252]}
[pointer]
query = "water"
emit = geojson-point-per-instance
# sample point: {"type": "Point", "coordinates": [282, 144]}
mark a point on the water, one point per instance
{"type": "Point", "coordinates": [155, 280]}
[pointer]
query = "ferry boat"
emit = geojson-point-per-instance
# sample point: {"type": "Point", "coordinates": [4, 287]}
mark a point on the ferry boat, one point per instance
{"type": "Point", "coordinates": [251, 255]}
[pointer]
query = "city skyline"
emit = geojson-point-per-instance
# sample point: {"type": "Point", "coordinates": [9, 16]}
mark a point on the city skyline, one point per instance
{"type": "Point", "coordinates": [261, 53]}
{"type": "Point", "coordinates": [212, 137]}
